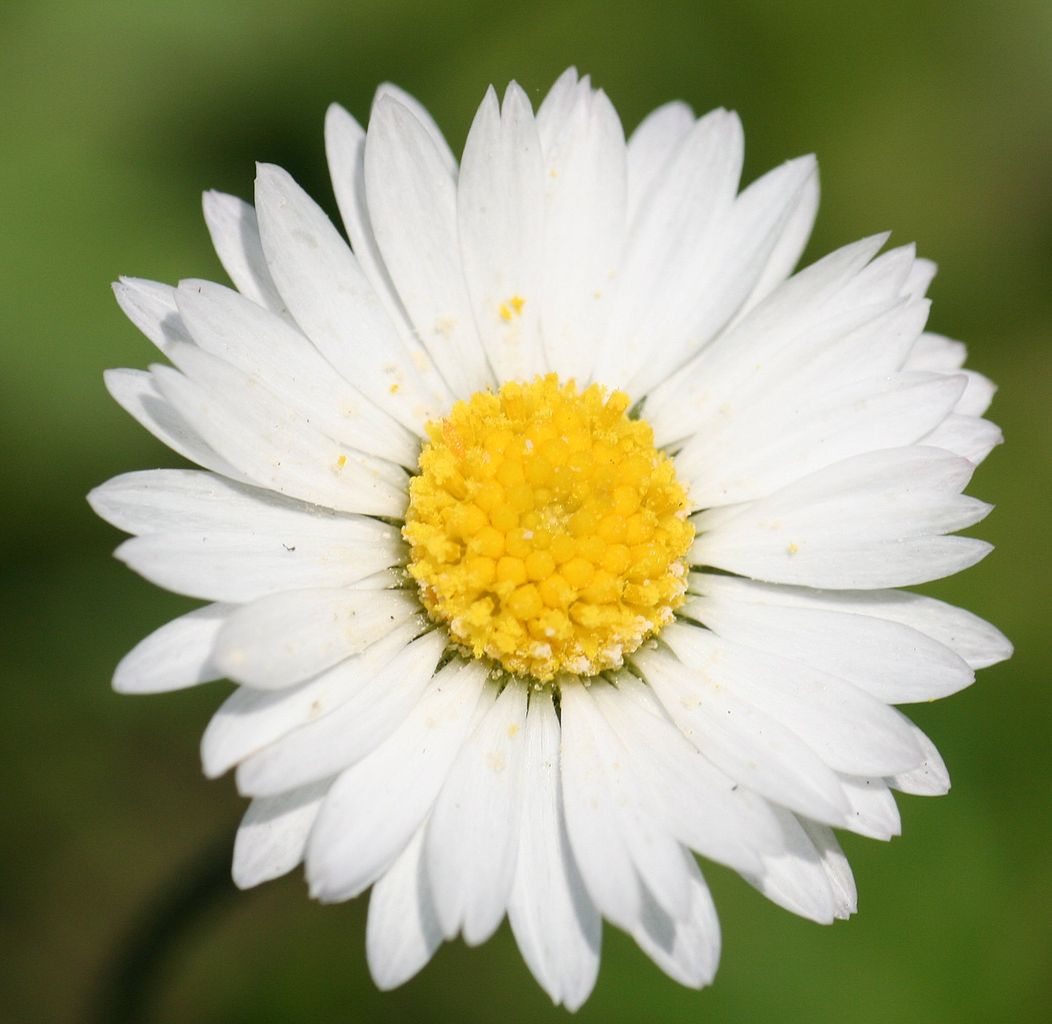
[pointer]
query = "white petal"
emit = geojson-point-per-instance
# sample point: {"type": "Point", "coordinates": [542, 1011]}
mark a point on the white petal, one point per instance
{"type": "Point", "coordinates": [500, 207]}
{"type": "Point", "coordinates": [274, 444]}
{"type": "Point", "coordinates": [421, 113]}
{"type": "Point", "coordinates": [686, 949]}
{"type": "Point", "coordinates": [811, 316]}
{"type": "Point", "coordinates": [241, 567]}
{"type": "Point", "coordinates": [273, 834]}
{"type": "Point", "coordinates": [931, 778]}
{"type": "Point", "coordinates": [402, 932]}
{"type": "Point", "coordinates": [776, 436]}
{"type": "Point", "coordinates": [235, 234]}
{"type": "Point", "coordinates": [891, 661]}
{"type": "Point", "coordinates": [552, 917]}
{"type": "Point", "coordinates": [798, 878]}
{"type": "Point", "coordinates": [334, 304]}
{"type": "Point", "coordinates": [251, 719]}
{"type": "Point", "coordinates": [150, 305]}
{"type": "Point", "coordinates": [557, 105]}
{"type": "Point", "coordinates": [413, 207]}
{"type": "Point", "coordinates": [874, 520]}
{"type": "Point", "coordinates": [974, 640]}
{"type": "Point", "coordinates": [968, 436]}
{"type": "Point", "coordinates": [285, 638]}
{"type": "Point", "coordinates": [651, 146]}
{"type": "Point", "coordinates": [746, 744]}
{"type": "Point", "coordinates": [186, 500]}
{"type": "Point", "coordinates": [375, 806]}
{"type": "Point", "coordinates": [584, 226]}
{"type": "Point", "coordinates": [850, 730]}
{"type": "Point", "coordinates": [935, 352]}
{"type": "Point", "coordinates": [136, 393]}
{"type": "Point", "coordinates": [697, 803]}
{"type": "Point", "coordinates": [836, 867]}
{"type": "Point", "coordinates": [873, 809]}
{"type": "Point", "coordinates": [264, 346]}
{"type": "Point", "coordinates": [345, 151]}
{"type": "Point", "coordinates": [977, 395]}
{"type": "Point", "coordinates": [728, 270]}
{"type": "Point", "coordinates": [921, 276]}
{"type": "Point", "coordinates": [795, 231]}
{"type": "Point", "coordinates": [473, 831]}
{"type": "Point", "coordinates": [620, 848]}
{"type": "Point", "coordinates": [176, 656]}
{"type": "Point", "coordinates": [670, 237]}
{"type": "Point", "coordinates": [377, 705]}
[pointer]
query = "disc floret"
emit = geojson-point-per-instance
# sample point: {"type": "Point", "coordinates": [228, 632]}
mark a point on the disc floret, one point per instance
{"type": "Point", "coordinates": [546, 530]}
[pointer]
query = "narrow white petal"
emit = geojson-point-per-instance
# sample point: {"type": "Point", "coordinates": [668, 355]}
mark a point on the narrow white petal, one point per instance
{"type": "Point", "coordinates": [377, 705]}
{"type": "Point", "coordinates": [584, 227]}
{"type": "Point", "coordinates": [273, 444]}
{"type": "Point", "coordinates": [795, 232]}
{"type": "Point", "coordinates": [500, 207]}
{"type": "Point", "coordinates": [874, 520]}
{"type": "Point", "coordinates": [936, 352]}
{"type": "Point", "coordinates": [273, 834]}
{"type": "Point", "coordinates": [345, 151]}
{"type": "Point", "coordinates": [921, 276]}
{"type": "Point", "coordinates": [651, 146]}
{"type": "Point", "coordinates": [136, 393]}
{"type": "Point", "coordinates": [285, 638]}
{"type": "Point", "coordinates": [700, 805]}
{"type": "Point", "coordinates": [240, 567]}
{"type": "Point", "coordinates": [186, 500]}
{"type": "Point", "coordinates": [893, 662]}
{"type": "Point", "coordinates": [421, 113]}
{"type": "Point", "coordinates": [622, 851]}
{"type": "Point", "coordinates": [836, 867]}
{"type": "Point", "coordinates": [776, 436]}
{"type": "Point", "coordinates": [413, 208]}
{"type": "Point", "coordinates": [557, 105]}
{"type": "Point", "coordinates": [850, 730]}
{"type": "Point", "coordinates": [968, 636]}
{"type": "Point", "coordinates": [473, 831]}
{"type": "Point", "coordinates": [873, 809]}
{"type": "Point", "coordinates": [176, 656]}
{"type": "Point", "coordinates": [554, 921]}
{"type": "Point", "coordinates": [967, 436]}
{"type": "Point", "coordinates": [276, 353]}
{"type": "Point", "coordinates": [744, 237]}
{"type": "Point", "coordinates": [335, 305]}
{"type": "Point", "coordinates": [250, 719]}
{"type": "Point", "coordinates": [746, 744]}
{"type": "Point", "coordinates": [798, 879]}
{"type": "Point", "coordinates": [235, 234]}
{"type": "Point", "coordinates": [977, 395]}
{"type": "Point", "coordinates": [375, 806]}
{"type": "Point", "coordinates": [931, 778]}
{"type": "Point", "coordinates": [150, 305]}
{"type": "Point", "coordinates": [687, 949]}
{"type": "Point", "coordinates": [402, 932]}
{"type": "Point", "coordinates": [670, 237]}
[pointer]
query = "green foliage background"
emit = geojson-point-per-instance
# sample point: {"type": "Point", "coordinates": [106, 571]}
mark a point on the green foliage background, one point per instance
{"type": "Point", "coordinates": [929, 118]}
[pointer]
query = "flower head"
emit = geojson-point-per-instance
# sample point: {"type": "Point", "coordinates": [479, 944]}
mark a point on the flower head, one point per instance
{"type": "Point", "coordinates": [550, 529]}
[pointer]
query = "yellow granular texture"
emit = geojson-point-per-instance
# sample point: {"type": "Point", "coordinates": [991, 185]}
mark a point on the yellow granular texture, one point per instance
{"type": "Point", "coordinates": [546, 529]}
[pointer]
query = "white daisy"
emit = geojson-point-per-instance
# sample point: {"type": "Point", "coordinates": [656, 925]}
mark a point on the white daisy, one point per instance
{"type": "Point", "coordinates": [549, 529]}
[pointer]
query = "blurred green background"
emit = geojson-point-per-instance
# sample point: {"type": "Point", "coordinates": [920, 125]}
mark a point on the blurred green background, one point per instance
{"type": "Point", "coordinates": [929, 118]}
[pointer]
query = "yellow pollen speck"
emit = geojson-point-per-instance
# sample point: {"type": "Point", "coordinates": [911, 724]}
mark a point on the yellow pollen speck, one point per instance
{"type": "Point", "coordinates": [394, 389]}
{"type": "Point", "coordinates": [512, 308]}
{"type": "Point", "coordinates": [792, 549]}
{"type": "Point", "coordinates": [546, 530]}
{"type": "Point", "coordinates": [341, 462]}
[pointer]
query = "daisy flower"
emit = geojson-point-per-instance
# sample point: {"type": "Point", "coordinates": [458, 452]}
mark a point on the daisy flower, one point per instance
{"type": "Point", "coordinates": [551, 529]}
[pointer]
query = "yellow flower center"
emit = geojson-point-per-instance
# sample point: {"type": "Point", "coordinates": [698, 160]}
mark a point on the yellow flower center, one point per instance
{"type": "Point", "coordinates": [546, 529]}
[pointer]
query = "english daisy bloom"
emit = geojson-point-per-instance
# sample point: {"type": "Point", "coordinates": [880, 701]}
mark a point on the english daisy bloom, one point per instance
{"type": "Point", "coordinates": [551, 529]}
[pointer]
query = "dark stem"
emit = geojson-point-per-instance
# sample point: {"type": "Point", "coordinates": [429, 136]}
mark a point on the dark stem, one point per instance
{"type": "Point", "coordinates": [132, 979]}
